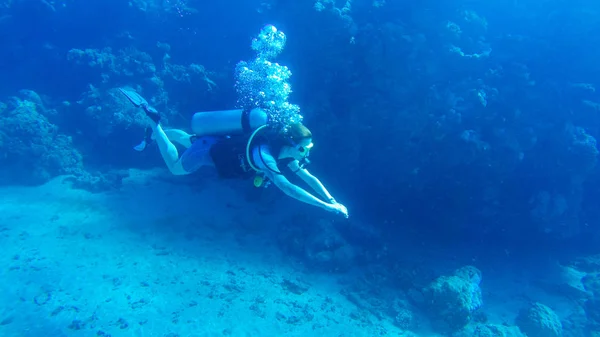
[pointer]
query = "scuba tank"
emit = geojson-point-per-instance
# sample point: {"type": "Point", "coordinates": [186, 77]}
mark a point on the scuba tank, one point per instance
{"type": "Point", "coordinates": [228, 122]}
{"type": "Point", "coordinates": [236, 123]}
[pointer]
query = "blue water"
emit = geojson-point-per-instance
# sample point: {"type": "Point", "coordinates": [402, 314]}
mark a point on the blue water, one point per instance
{"type": "Point", "coordinates": [460, 135]}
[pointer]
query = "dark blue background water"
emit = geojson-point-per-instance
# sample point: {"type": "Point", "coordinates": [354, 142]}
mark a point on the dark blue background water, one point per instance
{"type": "Point", "coordinates": [401, 135]}
{"type": "Point", "coordinates": [399, 58]}
{"type": "Point", "coordinates": [550, 44]}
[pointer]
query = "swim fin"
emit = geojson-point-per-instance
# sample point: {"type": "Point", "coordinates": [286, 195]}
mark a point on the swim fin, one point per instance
{"type": "Point", "coordinates": [145, 142]}
{"type": "Point", "coordinates": [140, 102]}
{"type": "Point", "coordinates": [135, 98]}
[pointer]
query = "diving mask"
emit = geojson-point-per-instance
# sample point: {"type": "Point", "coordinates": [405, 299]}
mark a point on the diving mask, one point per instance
{"type": "Point", "coordinates": [304, 148]}
{"type": "Point", "coordinates": [303, 152]}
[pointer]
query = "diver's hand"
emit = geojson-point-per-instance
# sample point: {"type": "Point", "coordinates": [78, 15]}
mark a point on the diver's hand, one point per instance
{"type": "Point", "coordinates": [338, 208]}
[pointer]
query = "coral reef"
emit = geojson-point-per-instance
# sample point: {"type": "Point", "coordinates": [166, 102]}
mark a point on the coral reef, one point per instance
{"type": "Point", "coordinates": [451, 301]}
{"type": "Point", "coordinates": [166, 85]}
{"type": "Point", "coordinates": [538, 320]}
{"type": "Point", "coordinates": [318, 244]}
{"type": "Point", "coordinates": [489, 330]}
{"type": "Point", "coordinates": [32, 149]}
{"type": "Point", "coordinates": [109, 115]}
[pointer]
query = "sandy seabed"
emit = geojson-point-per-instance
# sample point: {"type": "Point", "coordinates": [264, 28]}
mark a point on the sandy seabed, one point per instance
{"type": "Point", "coordinates": [164, 259]}
{"type": "Point", "coordinates": [145, 261]}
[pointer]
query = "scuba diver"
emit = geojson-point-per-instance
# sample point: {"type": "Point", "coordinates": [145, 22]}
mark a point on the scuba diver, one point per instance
{"type": "Point", "coordinates": [239, 144]}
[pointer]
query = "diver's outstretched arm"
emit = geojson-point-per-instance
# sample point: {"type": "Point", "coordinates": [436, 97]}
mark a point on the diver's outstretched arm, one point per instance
{"type": "Point", "coordinates": [315, 184]}
{"type": "Point", "coordinates": [296, 192]}
{"type": "Point", "coordinates": [301, 195]}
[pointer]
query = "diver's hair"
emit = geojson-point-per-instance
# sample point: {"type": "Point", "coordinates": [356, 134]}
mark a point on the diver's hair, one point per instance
{"type": "Point", "coordinates": [292, 136]}
{"type": "Point", "coordinates": [298, 132]}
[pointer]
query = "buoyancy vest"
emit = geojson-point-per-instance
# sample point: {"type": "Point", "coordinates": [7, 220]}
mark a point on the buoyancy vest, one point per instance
{"type": "Point", "coordinates": [233, 161]}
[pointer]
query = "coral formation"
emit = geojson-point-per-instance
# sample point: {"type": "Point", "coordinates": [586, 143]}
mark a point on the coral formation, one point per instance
{"type": "Point", "coordinates": [32, 149]}
{"type": "Point", "coordinates": [452, 300]}
{"type": "Point", "coordinates": [538, 320]}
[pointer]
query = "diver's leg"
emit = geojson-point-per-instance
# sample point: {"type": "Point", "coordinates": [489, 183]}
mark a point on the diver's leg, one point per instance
{"type": "Point", "coordinates": [180, 137]}
{"type": "Point", "coordinates": [168, 151]}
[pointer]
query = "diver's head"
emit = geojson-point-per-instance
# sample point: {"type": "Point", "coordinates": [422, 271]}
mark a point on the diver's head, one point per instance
{"type": "Point", "coordinates": [300, 141]}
